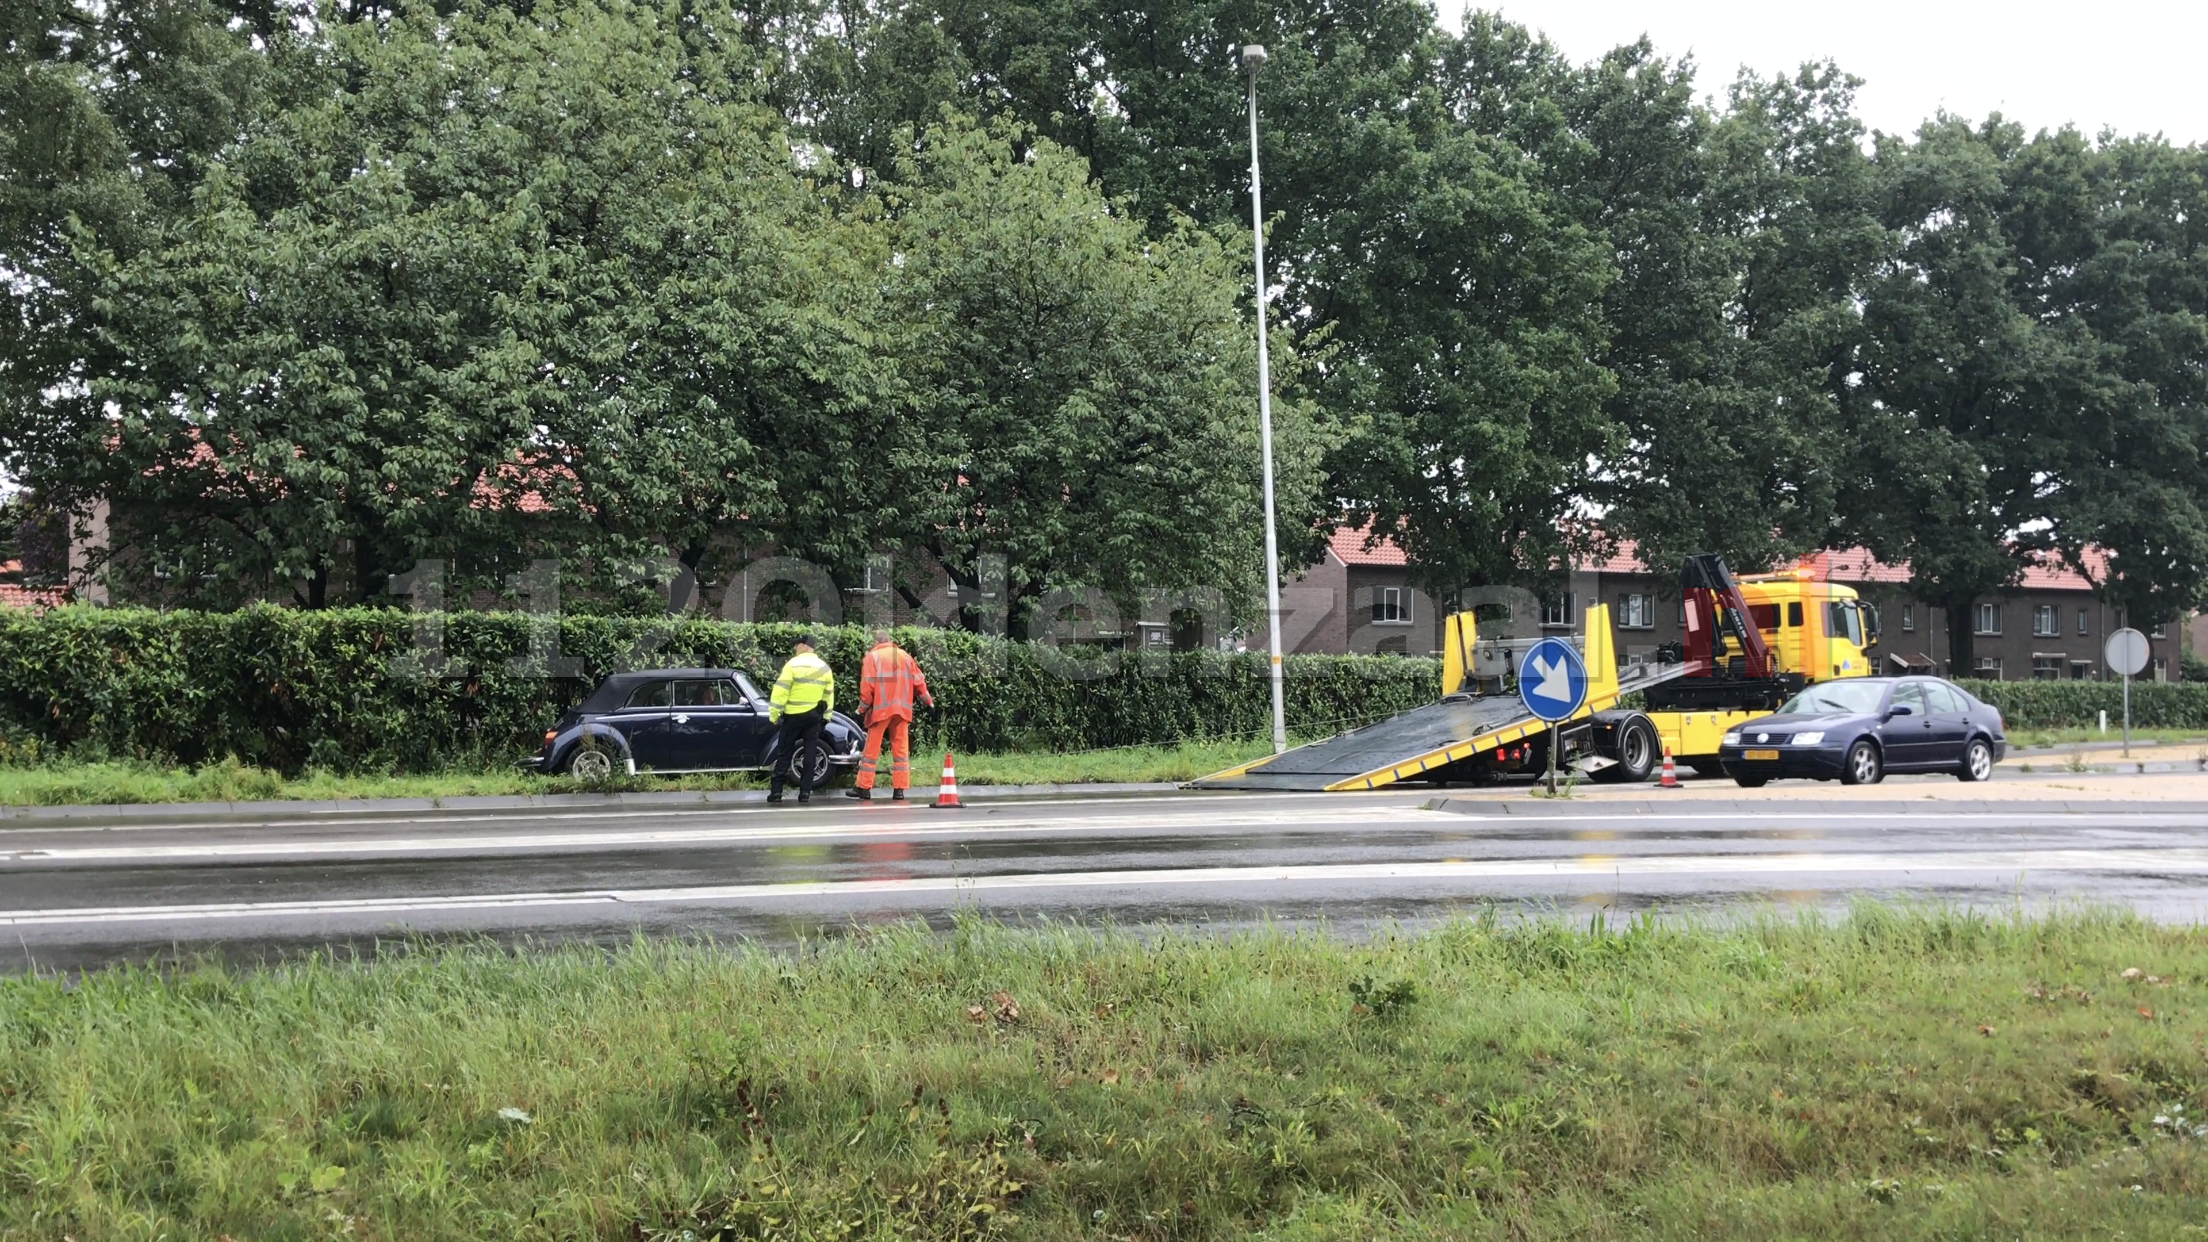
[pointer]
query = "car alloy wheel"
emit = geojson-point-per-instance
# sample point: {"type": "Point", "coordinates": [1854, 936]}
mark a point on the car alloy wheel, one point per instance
{"type": "Point", "coordinates": [1863, 766]}
{"type": "Point", "coordinates": [590, 764]}
{"type": "Point", "coordinates": [1977, 760]}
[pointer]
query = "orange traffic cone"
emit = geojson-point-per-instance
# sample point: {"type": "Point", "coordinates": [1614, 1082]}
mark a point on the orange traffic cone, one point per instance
{"type": "Point", "coordinates": [947, 793]}
{"type": "Point", "coordinates": [1671, 774]}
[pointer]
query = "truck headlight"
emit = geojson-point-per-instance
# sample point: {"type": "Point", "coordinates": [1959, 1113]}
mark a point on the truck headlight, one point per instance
{"type": "Point", "coordinates": [1808, 739]}
{"type": "Point", "coordinates": [1730, 739]}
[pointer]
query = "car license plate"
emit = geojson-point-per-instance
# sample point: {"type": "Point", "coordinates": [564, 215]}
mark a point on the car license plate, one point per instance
{"type": "Point", "coordinates": [1759, 754]}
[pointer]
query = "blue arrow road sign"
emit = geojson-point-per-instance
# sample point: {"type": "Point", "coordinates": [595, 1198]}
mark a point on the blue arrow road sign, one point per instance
{"type": "Point", "coordinates": [1552, 679]}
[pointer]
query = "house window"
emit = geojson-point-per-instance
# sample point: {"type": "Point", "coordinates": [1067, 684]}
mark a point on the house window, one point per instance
{"type": "Point", "coordinates": [1556, 610]}
{"type": "Point", "coordinates": [1391, 606]}
{"type": "Point", "coordinates": [1989, 668]}
{"type": "Point", "coordinates": [1989, 619]}
{"type": "Point", "coordinates": [2047, 667]}
{"type": "Point", "coordinates": [2045, 623]}
{"type": "Point", "coordinates": [2085, 621]}
{"type": "Point", "coordinates": [1634, 613]}
{"type": "Point", "coordinates": [2081, 670]}
{"type": "Point", "coordinates": [2161, 670]}
{"type": "Point", "coordinates": [1908, 618]}
{"type": "Point", "coordinates": [2157, 632]}
{"type": "Point", "coordinates": [951, 587]}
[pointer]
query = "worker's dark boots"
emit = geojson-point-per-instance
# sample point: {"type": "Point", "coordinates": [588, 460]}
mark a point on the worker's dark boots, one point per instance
{"type": "Point", "coordinates": [896, 795]}
{"type": "Point", "coordinates": [774, 795]}
{"type": "Point", "coordinates": [863, 795]}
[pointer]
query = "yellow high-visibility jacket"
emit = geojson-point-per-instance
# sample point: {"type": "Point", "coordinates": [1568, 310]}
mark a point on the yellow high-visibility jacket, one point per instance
{"type": "Point", "coordinates": [806, 683]}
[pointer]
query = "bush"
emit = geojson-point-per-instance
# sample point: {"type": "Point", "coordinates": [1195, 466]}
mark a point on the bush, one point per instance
{"type": "Point", "coordinates": [292, 690]}
{"type": "Point", "coordinates": [2075, 704]}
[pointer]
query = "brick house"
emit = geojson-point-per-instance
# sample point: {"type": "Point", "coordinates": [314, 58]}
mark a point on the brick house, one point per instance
{"type": "Point", "coordinates": [2050, 627]}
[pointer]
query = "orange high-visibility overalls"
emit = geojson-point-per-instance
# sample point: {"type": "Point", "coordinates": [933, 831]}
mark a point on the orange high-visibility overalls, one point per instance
{"type": "Point", "coordinates": [888, 682]}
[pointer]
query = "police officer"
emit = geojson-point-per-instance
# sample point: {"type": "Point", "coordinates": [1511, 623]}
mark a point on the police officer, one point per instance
{"type": "Point", "coordinates": [803, 696]}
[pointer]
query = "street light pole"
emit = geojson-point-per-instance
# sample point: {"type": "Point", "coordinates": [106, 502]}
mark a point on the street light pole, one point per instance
{"type": "Point", "coordinates": [1253, 59]}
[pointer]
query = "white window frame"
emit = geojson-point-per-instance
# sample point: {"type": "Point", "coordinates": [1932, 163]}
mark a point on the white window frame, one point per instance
{"type": "Point", "coordinates": [1391, 605]}
{"type": "Point", "coordinates": [1987, 664]}
{"type": "Point", "coordinates": [2161, 669]}
{"type": "Point", "coordinates": [2046, 621]}
{"type": "Point", "coordinates": [1555, 618]}
{"type": "Point", "coordinates": [2056, 663]}
{"type": "Point", "coordinates": [2085, 622]}
{"type": "Point", "coordinates": [2160, 631]}
{"type": "Point", "coordinates": [1980, 614]}
{"type": "Point", "coordinates": [1908, 618]}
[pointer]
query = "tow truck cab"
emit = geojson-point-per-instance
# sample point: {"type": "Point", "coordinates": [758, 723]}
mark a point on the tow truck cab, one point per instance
{"type": "Point", "coordinates": [1799, 630]}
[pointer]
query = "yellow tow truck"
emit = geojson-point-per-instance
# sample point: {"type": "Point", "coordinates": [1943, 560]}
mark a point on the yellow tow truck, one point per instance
{"type": "Point", "coordinates": [1750, 645]}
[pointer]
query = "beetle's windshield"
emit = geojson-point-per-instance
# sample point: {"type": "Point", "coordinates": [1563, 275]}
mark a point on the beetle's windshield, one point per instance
{"type": "Point", "coordinates": [1851, 697]}
{"type": "Point", "coordinates": [750, 691]}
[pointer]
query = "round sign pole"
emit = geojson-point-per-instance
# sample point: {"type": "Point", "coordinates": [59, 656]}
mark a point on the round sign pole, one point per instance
{"type": "Point", "coordinates": [2127, 652]}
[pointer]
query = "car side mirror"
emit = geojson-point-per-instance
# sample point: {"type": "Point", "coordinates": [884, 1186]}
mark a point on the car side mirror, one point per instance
{"type": "Point", "coordinates": [1900, 709]}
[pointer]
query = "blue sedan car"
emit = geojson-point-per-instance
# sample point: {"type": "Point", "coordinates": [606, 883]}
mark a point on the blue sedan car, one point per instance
{"type": "Point", "coordinates": [1861, 728]}
{"type": "Point", "coordinates": [674, 720]}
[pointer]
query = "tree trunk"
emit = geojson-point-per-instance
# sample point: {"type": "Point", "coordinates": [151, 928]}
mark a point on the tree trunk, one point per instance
{"type": "Point", "coordinates": [1961, 647]}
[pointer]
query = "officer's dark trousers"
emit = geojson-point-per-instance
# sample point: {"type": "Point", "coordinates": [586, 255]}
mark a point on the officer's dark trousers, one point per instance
{"type": "Point", "coordinates": [798, 738]}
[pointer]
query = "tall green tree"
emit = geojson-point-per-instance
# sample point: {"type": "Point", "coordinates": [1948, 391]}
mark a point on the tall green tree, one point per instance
{"type": "Point", "coordinates": [1740, 239]}
{"type": "Point", "coordinates": [1959, 390]}
{"type": "Point", "coordinates": [2109, 239]}
{"type": "Point", "coordinates": [1092, 384]}
{"type": "Point", "coordinates": [480, 286]}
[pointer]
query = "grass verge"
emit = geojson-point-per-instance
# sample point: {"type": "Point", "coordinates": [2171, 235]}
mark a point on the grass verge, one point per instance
{"type": "Point", "coordinates": [2094, 737]}
{"type": "Point", "coordinates": [65, 783]}
{"type": "Point", "coordinates": [1899, 1075]}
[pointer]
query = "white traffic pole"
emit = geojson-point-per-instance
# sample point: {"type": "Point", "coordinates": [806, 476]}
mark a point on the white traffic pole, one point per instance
{"type": "Point", "coordinates": [2127, 715]}
{"type": "Point", "coordinates": [1253, 59]}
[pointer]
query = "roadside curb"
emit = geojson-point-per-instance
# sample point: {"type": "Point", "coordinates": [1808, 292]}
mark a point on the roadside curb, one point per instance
{"type": "Point", "coordinates": [1926, 808]}
{"type": "Point", "coordinates": [370, 807]}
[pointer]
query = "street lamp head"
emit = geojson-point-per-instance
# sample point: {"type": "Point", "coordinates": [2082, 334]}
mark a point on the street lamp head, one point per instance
{"type": "Point", "coordinates": [1253, 56]}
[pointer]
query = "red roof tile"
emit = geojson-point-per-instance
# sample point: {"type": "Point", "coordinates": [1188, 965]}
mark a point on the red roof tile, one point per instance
{"type": "Point", "coordinates": [13, 596]}
{"type": "Point", "coordinates": [1348, 543]}
{"type": "Point", "coordinates": [2046, 573]}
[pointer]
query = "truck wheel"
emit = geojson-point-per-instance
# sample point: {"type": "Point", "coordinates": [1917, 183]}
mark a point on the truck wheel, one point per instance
{"type": "Point", "coordinates": [1863, 765]}
{"type": "Point", "coordinates": [1707, 767]}
{"type": "Point", "coordinates": [1977, 761]}
{"type": "Point", "coordinates": [1751, 782]}
{"type": "Point", "coordinates": [1637, 753]}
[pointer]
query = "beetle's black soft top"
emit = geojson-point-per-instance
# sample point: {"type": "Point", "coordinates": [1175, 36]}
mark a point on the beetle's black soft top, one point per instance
{"type": "Point", "coordinates": [614, 691]}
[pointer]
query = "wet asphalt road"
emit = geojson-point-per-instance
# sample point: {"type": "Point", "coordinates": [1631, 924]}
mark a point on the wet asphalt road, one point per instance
{"type": "Point", "coordinates": [79, 895]}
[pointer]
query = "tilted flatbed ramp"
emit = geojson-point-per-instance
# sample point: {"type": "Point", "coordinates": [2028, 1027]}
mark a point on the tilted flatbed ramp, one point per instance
{"type": "Point", "coordinates": [1408, 746]}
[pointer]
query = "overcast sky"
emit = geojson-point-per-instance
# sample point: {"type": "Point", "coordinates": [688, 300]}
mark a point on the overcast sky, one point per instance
{"type": "Point", "coordinates": [2136, 65]}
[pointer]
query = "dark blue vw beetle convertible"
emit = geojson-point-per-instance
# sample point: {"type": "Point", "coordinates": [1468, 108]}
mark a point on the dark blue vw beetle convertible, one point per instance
{"type": "Point", "coordinates": [673, 720]}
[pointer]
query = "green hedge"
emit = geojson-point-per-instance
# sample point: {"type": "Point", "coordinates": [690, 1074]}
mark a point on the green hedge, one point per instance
{"type": "Point", "coordinates": [292, 690]}
{"type": "Point", "coordinates": [2074, 704]}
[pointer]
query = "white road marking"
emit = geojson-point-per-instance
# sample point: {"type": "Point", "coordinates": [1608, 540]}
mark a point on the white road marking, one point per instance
{"type": "Point", "coordinates": [959, 828]}
{"type": "Point", "coordinates": [323, 847]}
{"type": "Point", "coordinates": [922, 800]}
{"type": "Point", "coordinates": [2061, 860]}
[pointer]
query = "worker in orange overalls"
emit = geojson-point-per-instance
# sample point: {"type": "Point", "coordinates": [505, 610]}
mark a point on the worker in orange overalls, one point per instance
{"type": "Point", "coordinates": [889, 680]}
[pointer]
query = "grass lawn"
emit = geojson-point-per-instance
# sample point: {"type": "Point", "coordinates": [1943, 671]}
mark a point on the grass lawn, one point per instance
{"type": "Point", "coordinates": [1899, 1075]}
{"type": "Point", "coordinates": [2094, 737]}
{"type": "Point", "coordinates": [63, 783]}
